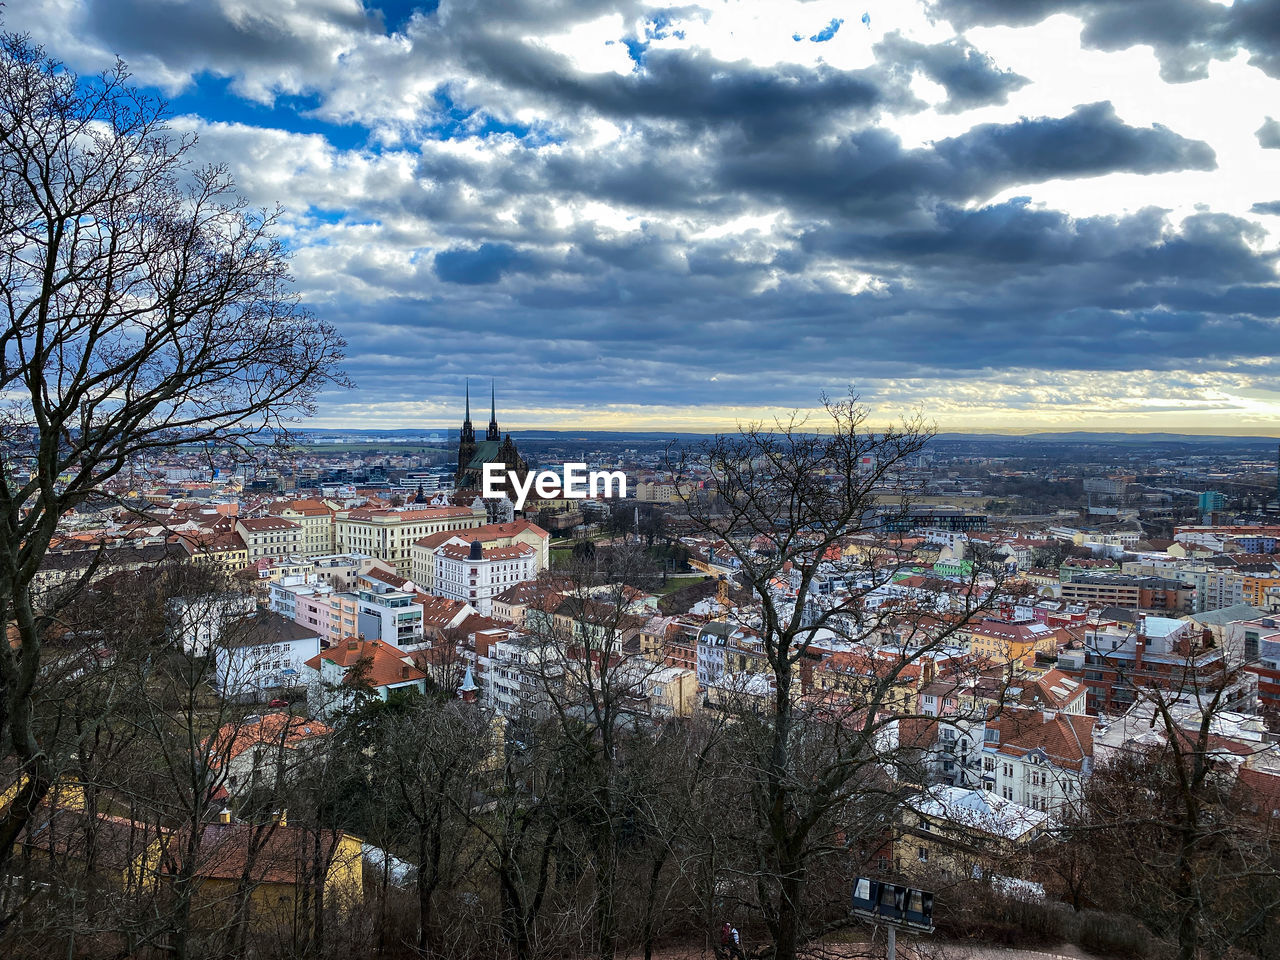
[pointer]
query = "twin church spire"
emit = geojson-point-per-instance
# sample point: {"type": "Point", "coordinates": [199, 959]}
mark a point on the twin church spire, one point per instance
{"type": "Point", "coordinates": [493, 433]}
{"type": "Point", "coordinates": [473, 454]}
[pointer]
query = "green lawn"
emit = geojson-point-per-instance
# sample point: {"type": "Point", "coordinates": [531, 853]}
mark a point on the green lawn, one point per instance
{"type": "Point", "coordinates": [678, 583]}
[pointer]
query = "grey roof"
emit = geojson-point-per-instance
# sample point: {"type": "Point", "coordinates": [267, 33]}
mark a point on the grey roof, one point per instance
{"type": "Point", "coordinates": [1237, 611]}
{"type": "Point", "coordinates": [265, 627]}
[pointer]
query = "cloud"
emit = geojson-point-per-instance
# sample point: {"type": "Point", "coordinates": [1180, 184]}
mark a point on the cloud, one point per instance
{"type": "Point", "coordinates": [1185, 35]}
{"type": "Point", "coordinates": [1269, 135]}
{"type": "Point", "coordinates": [970, 77]}
{"type": "Point", "coordinates": [679, 209]}
{"type": "Point", "coordinates": [485, 264]}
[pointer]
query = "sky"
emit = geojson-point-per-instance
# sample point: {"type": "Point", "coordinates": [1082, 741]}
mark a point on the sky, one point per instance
{"type": "Point", "coordinates": [1007, 215]}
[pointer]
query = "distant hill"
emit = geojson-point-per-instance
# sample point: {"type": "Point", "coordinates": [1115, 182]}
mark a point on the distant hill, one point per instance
{"type": "Point", "coordinates": [659, 436]}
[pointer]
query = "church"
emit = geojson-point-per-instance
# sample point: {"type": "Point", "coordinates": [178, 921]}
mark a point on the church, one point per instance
{"type": "Point", "coordinates": [494, 448]}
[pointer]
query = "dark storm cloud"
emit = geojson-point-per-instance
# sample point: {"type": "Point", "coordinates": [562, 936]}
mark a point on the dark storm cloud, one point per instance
{"type": "Point", "coordinates": [735, 233]}
{"type": "Point", "coordinates": [868, 172]}
{"type": "Point", "coordinates": [1185, 34]}
{"type": "Point", "coordinates": [485, 264]}
{"type": "Point", "coordinates": [697, 90]}
{"type": "Point", "coordinates": [199, 35]}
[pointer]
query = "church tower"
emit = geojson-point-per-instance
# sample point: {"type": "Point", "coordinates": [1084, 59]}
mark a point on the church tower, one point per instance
{"type": "Point", "coordinates": [493, 433]}
{"type": "Point", "coordinates": [466, 442]}
{"type": "Point", "coordinates": [473, 454]}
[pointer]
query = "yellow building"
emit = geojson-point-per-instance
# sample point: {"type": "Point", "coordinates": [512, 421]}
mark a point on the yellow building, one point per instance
{"type": "Point", "coordinates": [953, 833]}
{"type": "Point", "coordinates": [315, 521]}
{"type": "Point", "coordinates": [283, 864]}
{"type": "Point", "coordinates": [226, 550]}
{"type": "Point", "coordinates": [390, 534]}
{"type": "Point", "coordinates": [63, 842]}
{"type": "Point", "coordinates": [1255, 587]}
{"type": "Point", "coordinates": [1003, 641]}
{"type": "Point", "coordinates": [857, 675]}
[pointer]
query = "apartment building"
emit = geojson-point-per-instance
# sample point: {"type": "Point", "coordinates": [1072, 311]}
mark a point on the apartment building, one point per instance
{"type": "Point", "coordinates": [1134, 593]}
{"type": "Point", "coordinates": [269, 537]}
{"type": "Point", "coordinates": [491, 536]}
{"type": "Point", "coordinates": [315, 524]}
{"type": "Point", "coordinates": [389, 534]}
{"type": "Point", "coordinates": [471, 573]}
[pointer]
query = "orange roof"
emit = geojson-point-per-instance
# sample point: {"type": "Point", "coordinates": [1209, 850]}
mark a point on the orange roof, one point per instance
{"type": "Point", "coordinates": [309, 508]}
{"type": "Point", "coordinates": [274, 729]}
{"type": "Point", "coordinates": [1066, 738]}
{"type": "Point", "coordinates": [485, 533]}
{"type": "Point", "coordinates": [383, 665]}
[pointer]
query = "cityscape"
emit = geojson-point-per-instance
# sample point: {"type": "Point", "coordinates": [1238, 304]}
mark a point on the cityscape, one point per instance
{"type": "Point", "coordinates": [607, 480]}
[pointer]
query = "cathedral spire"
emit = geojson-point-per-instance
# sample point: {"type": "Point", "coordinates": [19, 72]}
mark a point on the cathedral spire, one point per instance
{"type": "Point", "coordinates": [493, 412]}
{"type": "Point", "coordinates": [468, 432]}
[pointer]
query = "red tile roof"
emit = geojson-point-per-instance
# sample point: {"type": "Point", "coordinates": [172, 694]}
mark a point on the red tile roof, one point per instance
{"type": "Point", "coordinates": [384, 665]}
{"type": "Point", "coordinates": [486, 533]}
{"type": "Point", "coordinates": [1066, 738]}
{"type": "Point", "coordinates": [274, 729]}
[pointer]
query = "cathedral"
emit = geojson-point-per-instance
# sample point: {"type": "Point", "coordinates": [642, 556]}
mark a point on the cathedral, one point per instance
{"type": "Point", "coordinates": [494, 448]}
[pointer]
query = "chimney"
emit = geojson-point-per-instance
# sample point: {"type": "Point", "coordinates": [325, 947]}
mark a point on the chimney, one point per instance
{"type": "Point", "coordinates": [1050, 715]}
{"type": "Point", "coordinates": [280, 817]}
{"type": "Point", "coordinates": [224, 815]}
{"type": "Point", "coordinates": [353, 644]}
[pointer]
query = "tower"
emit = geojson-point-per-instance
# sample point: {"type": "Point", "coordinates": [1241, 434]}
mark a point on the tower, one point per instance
{"type": "Point", "coordinates": [493, 433]}
{"type": "Point", "coordinates": [468, 431]}
{"type": "Point", "coordinates": [466, 442]}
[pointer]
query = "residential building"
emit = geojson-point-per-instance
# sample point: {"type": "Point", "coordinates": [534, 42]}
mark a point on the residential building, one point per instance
{"type": "Point", "coordinates": [388, 610]}
{"type": "Point", "coordinates": [954, 833]}
{"type": "Point", "coordinates": [337, 676]}
{"type": "Point", "coordinates": [1010, 641]}
{"type": "Point", "coordinates": [389, 534]}
{"type": "Point", "coordinates": [315, 524]}
{"type": "Point", "coordinates": [197, 624]}
{"type": "Point", "coordinates": [264, 751]}
{"type": "Point", "coordinates": [1121, 659]}
{"type": "Point", "coordinates": [269, 537]}
{"type": "Point", "coordinates": [491, 536]}
{"type": "Point", "coordinates": [263, 652]}
{"type": "Point", "coordinates": [473, 574]}
{"type": "Point", "coordinates": [1038, 758]}
{"type": "Point", "coordinates": [280, 864]}
{"type": "Point", "coordinates": [1137, 593]}
{"type": "Point", "coordinates": [1261, 638]}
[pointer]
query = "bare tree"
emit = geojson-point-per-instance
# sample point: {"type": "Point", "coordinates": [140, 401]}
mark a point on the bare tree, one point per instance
{"type": "Point", "coordinates": [781, 503]}
{"type": "Point", "coordinates": [594, 682]}
{"type": "Point", "coordinates": [146, 306]}
{"type": "Point", "coordinates": [1164, 810]}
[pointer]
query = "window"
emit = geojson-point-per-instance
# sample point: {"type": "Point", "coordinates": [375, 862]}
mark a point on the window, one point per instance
{"type": "Point", "coordinates": [922, 854]}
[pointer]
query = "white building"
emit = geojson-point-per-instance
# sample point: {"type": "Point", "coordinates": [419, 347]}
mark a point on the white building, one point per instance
{"type": "Point", "coordinates": [197, 623]}
{"type": "Point", "coordinates": [1038, 758]}
{"type": "Point", "coordinates": [477, 575]}
{"type": "Point", "coordinates": [263, 652]}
